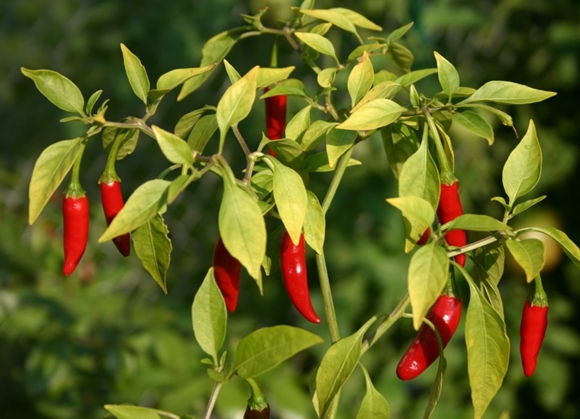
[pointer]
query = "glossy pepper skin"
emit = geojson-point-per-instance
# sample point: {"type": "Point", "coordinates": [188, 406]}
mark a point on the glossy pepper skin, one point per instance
{"type": "Point", "coordinates": [275, 117]}
{"type": "Point", "coordinates": [293, 264]}
{"type": "Point", "coordinates": [532, 332]}
{"type": "Point", "coordinates": [445, 315]}
{"type": "Point", "coordinates": [257, 414]}
{"type": "Point", "coordinates": [448, 210]}
{"type": "Point", "coordinates": [227, 275]}
{"type": "Point", "coordinates": [75, 213]}
{"type": "Point", "coordinates": [112, 200]}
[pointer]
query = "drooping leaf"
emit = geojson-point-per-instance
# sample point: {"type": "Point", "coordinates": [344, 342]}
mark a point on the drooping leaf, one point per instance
{"type": "Point", "coordinates": [508, 93]}
{"type": "Point", "coordinates": [529, 254]}
{"type": "Point", "coordinates": [58, 89]}
{"type": "Point", "coordinates": [314, 224]}
{"type": "Point", "coordinates": [318, 43]}
{"type": "Point", "coordinates": [568, 246]}
{"type": "Point", "coordinates": [475, 124]}
{"type": "Point", "coordinates": [338, 142]}
{"type": "Point", "coordinates": [418, 214]}
{"type": "Point", "coordinates": [153, 248]}
{"type": "Point", "coordinates": [132, 412]}
{"type": "Point", "coordinates": [476, 222]}
{"type": "Point", "coordinates": [174, 148]}
{"type": "Point", "coordinates": [374, 405]}
{"type": "Point", "coordinates": [373, 115]}
{"type": "Point", "coordinates": [50, 169]}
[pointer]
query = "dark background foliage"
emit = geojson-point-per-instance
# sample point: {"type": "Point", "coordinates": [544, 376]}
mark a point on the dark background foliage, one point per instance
{"type": "Point", "coordinates": [108, 334]}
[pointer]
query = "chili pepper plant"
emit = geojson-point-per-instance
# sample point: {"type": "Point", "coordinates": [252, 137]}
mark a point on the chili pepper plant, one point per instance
{"type": "Point", "coordinates": [269, 213]}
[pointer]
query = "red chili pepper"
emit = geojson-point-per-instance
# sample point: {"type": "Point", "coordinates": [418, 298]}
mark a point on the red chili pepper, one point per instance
{"type": "Point", "coordinates": [75, 213]}
{"type": "Point", "coordinates": [425, 237]}
{"type": "Point", "coordinates": [532, 332]}
{"type": "Point", "coordinates": [448, 210]}
{"type": "Point", "coordinates": [112, 200]}
{"type": "Point", "coordinates": [257, 414]}
{"type": "Point", "coordinates": [445, 315]}
{"type": "Point", "coordinates": [293, 264]}
{"type": "Point", "coordinates": [275, 117]}
{"type": "Point", "coordinates": [227, 270]}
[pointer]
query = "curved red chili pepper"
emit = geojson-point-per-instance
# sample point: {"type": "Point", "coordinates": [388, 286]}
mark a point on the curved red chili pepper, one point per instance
{"type": "Point", "coordinates": [227, 270]}
{"type": "Point", "coordinates": [445, 315]}
{"type": "Point", "coordinates": [532, 332]}
{"type": "Point", "coordinates": [275, 117]}
{"type": "Point", "coordinates": [448, 210]}
{"type": "Point", "coordinates": [293, 264]}
{"type": "Point", "coordinates": [425, 237]}
{"type": "Point", "coordinates": [112, 200]}
{"type": "Point", "coordinates": [75, 213]}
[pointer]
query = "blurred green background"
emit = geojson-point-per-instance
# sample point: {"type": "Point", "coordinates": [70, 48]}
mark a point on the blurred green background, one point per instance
{"type": "Point", "coordinates": [108, 334]}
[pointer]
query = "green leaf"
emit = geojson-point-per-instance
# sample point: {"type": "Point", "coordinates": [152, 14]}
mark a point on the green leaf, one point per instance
{"type": "Point", "coordinates": [399, 32]}
{"type": "Point", "coordinates": [136, 74]}
{"type": "Point", "coordinates": [318, 43]}
{"type": "Point", "coordinates": [521, 207]}
{"type": "Point", "coordinates": [523, 167]}
{"type": "Point", "coordinates": [488, 349]}
{"type": "Point", "coordinates": [489, 262]}
{"type": "Point", "coordinates": [428, 273]}
{"type": "Point", "coordinates": [288, 152]}
{"type": "Point", "coordinates": [128, 141]}
{"type": "Point", "coordinates": [529, 254]}
{"type": "Point", "coordinates": [174, 148]}
{"type": "Point", "coordinates": [568, 246]}
{"type": "Point", "coordinates": [241, 225]}
{"type": "Point", "coordinates": [58, 89]}
{"type": "Point", "coordinates": [414, 76]}
{"type": "Point", "coordinates": [326, 77]}
{"type": "Point", "coordinates": [270, 76]}
{"type": "Point", "coordinates": [186, 122]}
{"type": "Point", "coordinates": [475, 124]}
{"type": "Point", "coordinates": [438, 384]}
{"type": "Point", "coordinates": [177, 77]}
{"type": "Point", "coordinates": [315, 133]}
{"type": "Point", "coordinates": [401, 56]}
{"type": "Point", "coordinates": [503, 117]}
{"type": "Point", "coordinates": [237, 101]}
{"type": "Point", "coordinates": [314, 223]}
{"type": "Point", "coordinates": [356, 18]}
{"type": "Point", "coordinates": [374, 405]}
{"type": "Point", "coordinates": [360, 79]}
{"type": "Point", "coordinates": [372, 115]}
{"type": "Point", "coordinates": [290, 87]}
{"type": "Point", "coordinates": [386, 89]}
{"type": "Point", "coordinates": [91, 102]}
{"type": "Point", "coordinates": [290, 196]}
{"type": "Point", "coordinates": [233, 74]}
{"type": "Point", "coordinates": [299, 123]}
{"type": "Point", "coordinates": [338, 142]}
{"type": "Point", "coordinates": [144, 204]}
{"type": "Point", "coordinates": [332, 16]}
{"type": "Point", "coordinates": [337, 365]}
{"type": "Point", "coordinates": [400, 142]}
{"type": "Point", "coordinates": [475, 222]}
{"type": "Point", "coordinates": [264, 349]}
{"type": "Point", "coordinates": [213, 51]}
{"type": "Point", "coordinates": [418, 214]}
{"type": "Point", "coordinates": [50, 169]}
{"type": "Point", "coordinates": [509, 93]}
{"type": "Point", "coordinates": [209, 316]}
{"type": "Point", "coordinates": [319, 163]}
{"type": "Point", "coordinates": [201, 132]}
{"type": "Point", "coordinates": [419, 176]}
{"type": "Point", "coordinates": [153, 248]}
{"type": "Point", "coordinates": [448, 76]}
{"type": "Point", "coordinates": [132, 412]}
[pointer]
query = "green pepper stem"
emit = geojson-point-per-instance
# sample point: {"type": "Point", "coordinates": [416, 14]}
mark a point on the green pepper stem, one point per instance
{"type": "Point", "coordinates": [540, 298]}
{"type": "Point", "coordinates": [327, 297]}
{"type": "Point", "coordinates": [74, 188]}
{"type": "Point", "coordinates": [257, 400]}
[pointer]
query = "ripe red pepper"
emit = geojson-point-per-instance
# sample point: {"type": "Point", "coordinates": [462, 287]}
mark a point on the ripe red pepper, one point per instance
{"type": "Point", "coordinates": [227, 270]}
{"type": "Point", "coordinates": [275, 117]}
{"type": "Point", "coordinates": [445, 315]}
{"type": "Point", "coordinates": [449, 209]}
{"type": "Point", "coordinates": [293, 264]}
{"type": "Point", "coordinates": [257, 414]}
{"type": "Point", "coordinates": [425, 237]}
{"type": "Point", "coordinates": [532, 332]}
{"type": "Point", "coordinates": [112, 200]}
{"type": "Point", "coordinates": [75, 213]}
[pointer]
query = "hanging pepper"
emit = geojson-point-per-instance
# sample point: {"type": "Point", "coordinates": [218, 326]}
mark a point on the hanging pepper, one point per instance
{"type": "Point", "coordinates": [449, 209]}
{"type": "Point", "coordinates": [112, 200]}
{"type": "Point", "coordinates": [75, 213]}
{"type": "Point", "coordinates": [293, 264]}
{"type": "Point", "coordinates": [445, 315]}
{"type": "Point", "coordinates": [533, 328]}
{"type": "Point", "coordinates": [275, 117]}
{"type": "Point", "coordinates": [227, 274]}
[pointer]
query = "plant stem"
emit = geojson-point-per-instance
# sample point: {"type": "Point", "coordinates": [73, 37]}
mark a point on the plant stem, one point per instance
{"type": "Point", "coordinates": [327, 297]}
{"type": "Point", "coordinates": [211, 403]}
{"type": "Point", "coordinates": [137, 124]}
{"type": "Point", "coordinates": [386, 324]}
{"type": "Point", "coordinates": [338, 173]}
